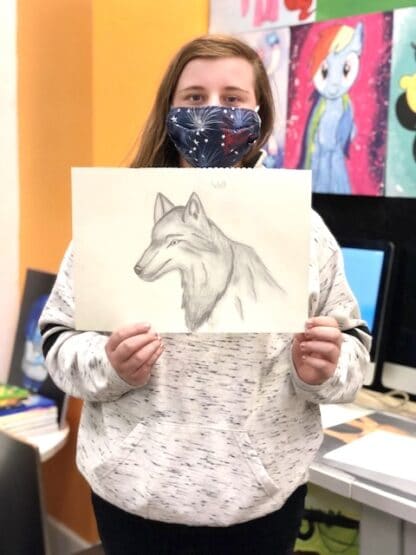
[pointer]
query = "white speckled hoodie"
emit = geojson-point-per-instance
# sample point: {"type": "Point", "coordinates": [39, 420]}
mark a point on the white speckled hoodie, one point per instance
{"type": "Point", "coordinates": [225, 430]}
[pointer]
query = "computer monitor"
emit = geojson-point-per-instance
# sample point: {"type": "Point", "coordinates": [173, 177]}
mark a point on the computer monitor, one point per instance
{"type": "Point", "coordinates": [22, 515]}
{"type": "Point", "coordinates": [368, 267]}
{"type": "Point", "coordinates": [27, 368]}
{"type": "Point", "coordinates": [399, 368]}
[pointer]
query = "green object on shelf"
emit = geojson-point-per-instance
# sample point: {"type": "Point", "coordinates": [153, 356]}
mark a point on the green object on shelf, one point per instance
{"type": "Point", "coordinates": [331, 9]}
{"type": "Point", "coordinates": [11, 395]}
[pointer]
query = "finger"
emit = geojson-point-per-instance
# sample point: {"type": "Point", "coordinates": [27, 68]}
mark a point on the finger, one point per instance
{"type": "Point", "coordinates": [132, 345]}
{"type": "Point", "coordinates": [333, 335]}
{"type": "Point", "coordinates": [141, 377]}
{"type": "Point", "coordinates": [121, 334]}
{"type": "Point", "coordinates": [321, 365]}
{"type": "Point", "coordinates": [299, 337]}
{"type": "Point", "coordinates": [155, 356]}
{"type": "Point", "coordinates": [321, 349]}
{"type": "Point", "coordinates": [147, 366]}
{"type": "Point", "coordinates": [141, 357]}
{"type": "Point", "coordinates": [321, 321]}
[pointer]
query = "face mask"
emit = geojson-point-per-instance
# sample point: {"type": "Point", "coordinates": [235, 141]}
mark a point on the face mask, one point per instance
{"type": "Point", "coordinates": [213, 136]}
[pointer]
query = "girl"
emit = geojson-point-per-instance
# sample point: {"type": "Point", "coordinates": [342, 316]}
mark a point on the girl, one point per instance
{"type": "Point", "coordinates": [201, 443]}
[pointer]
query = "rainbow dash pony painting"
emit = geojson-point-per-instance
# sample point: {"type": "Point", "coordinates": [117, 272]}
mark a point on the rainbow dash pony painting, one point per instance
{"type": "Point", "coordinates": [338, 97]}
{"type": "Point", "coordinates": [330, 127]}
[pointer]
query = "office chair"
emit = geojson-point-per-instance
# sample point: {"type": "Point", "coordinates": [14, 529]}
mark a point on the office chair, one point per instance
{"type": "Point", "coordinates": [22, 513]}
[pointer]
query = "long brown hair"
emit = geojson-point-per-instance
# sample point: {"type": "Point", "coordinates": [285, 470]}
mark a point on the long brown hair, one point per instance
{"type": "Point", "coordinates": [156, 149]}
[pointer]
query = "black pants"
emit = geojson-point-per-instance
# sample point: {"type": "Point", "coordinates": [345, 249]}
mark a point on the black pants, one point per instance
{"type": "Point", "coordinates": [123, 533]}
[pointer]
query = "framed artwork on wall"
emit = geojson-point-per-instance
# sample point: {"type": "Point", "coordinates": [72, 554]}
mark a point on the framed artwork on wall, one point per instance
{"type": "Point", "coordinates": [401, 139]}
{"type": "Point", "coordinates": [338, 95]}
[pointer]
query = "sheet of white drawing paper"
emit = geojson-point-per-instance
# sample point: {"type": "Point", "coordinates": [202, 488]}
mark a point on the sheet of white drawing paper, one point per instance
{"type": "Point", "coordinates": [385, 457]}
{"type": "Point", "coordinates": [215, 250]}
{"type": "Point", "coordinates": [337, 413]}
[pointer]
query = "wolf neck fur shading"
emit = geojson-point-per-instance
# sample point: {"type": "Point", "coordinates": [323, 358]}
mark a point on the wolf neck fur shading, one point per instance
{"type": "Point", "coordinates": [239, 271]}
{"type": "Point", "coordinates": [202, 291]}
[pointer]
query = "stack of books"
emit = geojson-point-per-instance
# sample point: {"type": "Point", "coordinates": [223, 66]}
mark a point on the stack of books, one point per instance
{"type": "Point", "coordinates": [11, 395]}
{"type": "Point", "coordinates": [25, 414]}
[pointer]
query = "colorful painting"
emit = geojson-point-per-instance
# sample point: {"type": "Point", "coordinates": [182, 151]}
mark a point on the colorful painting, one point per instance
{"type": "Point", "coordinates": [242, 16]}
{"type": "Point", "coordinates": [27, 366]}
{"type": "Point", "coordinates": [338, 94]}
{"type": "Point", "coordinates": [273, 48]}
{"type": "Point", "coordinates": [401, 144]}
{"type": "Point", "coordinates": [331, 9]}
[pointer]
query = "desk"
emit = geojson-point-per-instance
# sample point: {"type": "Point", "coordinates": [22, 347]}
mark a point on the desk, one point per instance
{"type": "Point", "coordinates": [388, 521]}
{"type": "Point", "coordinates": [50, 443]}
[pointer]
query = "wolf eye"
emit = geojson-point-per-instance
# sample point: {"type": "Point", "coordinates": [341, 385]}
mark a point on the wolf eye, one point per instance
{"type": "Point", "coordinates": [173, 242]}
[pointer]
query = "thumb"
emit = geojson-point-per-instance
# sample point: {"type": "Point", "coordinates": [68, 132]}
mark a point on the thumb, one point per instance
{"type": "Point", "coordinates": [299, 337]}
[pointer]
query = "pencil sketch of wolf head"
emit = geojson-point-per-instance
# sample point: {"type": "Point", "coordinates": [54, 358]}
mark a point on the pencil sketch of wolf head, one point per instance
{"type": "Point", "coordinates": [212, 266]}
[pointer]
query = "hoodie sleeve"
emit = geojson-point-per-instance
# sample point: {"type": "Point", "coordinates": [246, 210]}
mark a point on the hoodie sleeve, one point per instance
{"type": "Point", "coordinates": [76, 360]}
{"type": "Point", "coordinates": [332, 296]}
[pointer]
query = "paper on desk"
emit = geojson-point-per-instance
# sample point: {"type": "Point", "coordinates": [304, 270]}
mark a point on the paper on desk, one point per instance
{"type": "Point", "coordinates": [380, 456]}
{"type": "Point", "coordinates": [334, 414]}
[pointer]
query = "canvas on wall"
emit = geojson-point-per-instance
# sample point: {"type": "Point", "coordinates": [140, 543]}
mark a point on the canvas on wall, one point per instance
{"type": "Point", "coordinates": [338, 96]}
{"type": "Point", "coordinates": [331, 9]}
{"type": "Point", "coordinates": [27, 366]}
{"type": "Point", "coordinates": [401, 143]}
{"type": "Point", "coordinates": [242, 16]}
{"type": "Point", "coordinates": [201, 250]}
{"type": "Point", "coordinates": [273, 48]}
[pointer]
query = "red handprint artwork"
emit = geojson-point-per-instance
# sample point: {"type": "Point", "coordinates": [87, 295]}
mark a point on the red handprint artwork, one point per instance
{"type": "Point", "coordinates": [264, 10]}
{"type": "Point", "coordinates": [302, 5]}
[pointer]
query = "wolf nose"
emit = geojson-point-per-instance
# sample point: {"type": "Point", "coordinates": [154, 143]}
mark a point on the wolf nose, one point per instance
{"type": "Point", "coordinates": [138, 269]}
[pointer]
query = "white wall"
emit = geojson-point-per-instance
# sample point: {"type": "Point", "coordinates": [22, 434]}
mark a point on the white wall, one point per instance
{"type": "Point", "coordinates": [9, 184]}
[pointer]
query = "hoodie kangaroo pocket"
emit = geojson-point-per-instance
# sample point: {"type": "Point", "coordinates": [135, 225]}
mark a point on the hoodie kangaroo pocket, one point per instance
{"type": "Point", "coordinates": [189, 474]}
{"type": "Point", "coordinates": [120, 464]}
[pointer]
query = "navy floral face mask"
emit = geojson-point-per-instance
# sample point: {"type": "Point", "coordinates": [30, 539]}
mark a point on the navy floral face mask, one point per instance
{"type": "Point", "coordinates": [213, 136]}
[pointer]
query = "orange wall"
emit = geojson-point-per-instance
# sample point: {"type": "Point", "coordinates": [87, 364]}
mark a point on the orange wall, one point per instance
{"type": "Point", "coordinates": [55, 121]}
{"type": "Point", "coordinates": [88, 72]}
{"type": "Point", "coordinates": [134, 41]}
{"type": "Point", "coordinates": [55, 133]}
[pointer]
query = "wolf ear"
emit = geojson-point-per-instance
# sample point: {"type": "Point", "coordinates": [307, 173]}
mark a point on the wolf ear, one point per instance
{"type": "Point", "coordinates": [194, 212]}
{"type": "Point", "coordinates": [162, 206]}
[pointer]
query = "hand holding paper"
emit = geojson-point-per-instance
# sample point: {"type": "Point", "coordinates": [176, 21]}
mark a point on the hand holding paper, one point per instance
{"type": "Point", "coordinates": [132, 351]}
{"type": "Point", "coordinates": [316, 351]}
